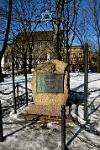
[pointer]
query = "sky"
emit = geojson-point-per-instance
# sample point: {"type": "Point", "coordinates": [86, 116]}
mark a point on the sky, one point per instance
{"type": "Point", "coordinates": [45, 26]}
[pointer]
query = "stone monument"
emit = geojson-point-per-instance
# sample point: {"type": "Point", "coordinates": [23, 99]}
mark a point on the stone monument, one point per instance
{"type": "Point", "coordinates": [49, 90]}
{"type": "Point", "coordinates": [49, 83]}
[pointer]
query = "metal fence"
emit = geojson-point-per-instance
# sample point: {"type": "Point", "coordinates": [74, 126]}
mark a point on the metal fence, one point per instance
{"type": "Point", "coordinates": [22, 99]}
{"type": "Point", "coordinates": [18, 102]}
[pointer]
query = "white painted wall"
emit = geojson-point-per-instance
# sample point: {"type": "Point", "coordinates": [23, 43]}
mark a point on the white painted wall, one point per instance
{"type": "Point", "coordinates": [48, 56]}
{"type": "Point", "coordinates": [2, 62]}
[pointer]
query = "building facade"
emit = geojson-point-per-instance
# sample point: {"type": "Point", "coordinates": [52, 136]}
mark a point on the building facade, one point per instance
{"type": "Point", "coordinates": [39, 48]}
{"type": "Point", "coordinates": [76, 58]}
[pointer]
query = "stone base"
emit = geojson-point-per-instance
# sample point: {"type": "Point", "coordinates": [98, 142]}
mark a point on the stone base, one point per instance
{"type": "Point", "coordinates": [40, 112]}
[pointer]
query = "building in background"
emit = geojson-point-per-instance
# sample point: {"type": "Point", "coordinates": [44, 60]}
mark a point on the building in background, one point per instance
{"type": "Point", "coordinates": [2, 62]}
{"type": "Point", "coordinates": [76, 58]}
{"type": "Point", "coordinates": [39, 45]}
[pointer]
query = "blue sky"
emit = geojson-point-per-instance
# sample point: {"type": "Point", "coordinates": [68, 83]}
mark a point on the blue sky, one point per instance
{"type": "Point", "coordinates": [83, 4]}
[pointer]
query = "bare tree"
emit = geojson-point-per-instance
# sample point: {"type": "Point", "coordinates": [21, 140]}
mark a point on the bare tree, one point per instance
{"type": "Point", "coordinates": [22, 28]}
{"type": "Point", "coordinates": [60, 8]}
{"type": "Point", "coordinates": [69, 22]}
{"type": "Point", "coordinates": [27, 15]}
{"type": "Point", "coordinates": [6, 36]}
{"type": "Point", "coordinates": [88, 29]}
{"type": "Point", "coordinates": [94, 23]}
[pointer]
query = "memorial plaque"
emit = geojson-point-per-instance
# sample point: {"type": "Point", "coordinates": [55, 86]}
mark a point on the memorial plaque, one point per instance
{"type": "Point", "coordinates": [50, 83]}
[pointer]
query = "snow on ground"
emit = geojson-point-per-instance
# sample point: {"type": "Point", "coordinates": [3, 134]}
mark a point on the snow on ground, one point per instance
{"type": "Point", "coordinates": [39, 136]}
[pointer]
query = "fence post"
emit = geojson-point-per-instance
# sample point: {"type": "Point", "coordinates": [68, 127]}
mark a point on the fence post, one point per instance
{"type": "Point", "coordinates": [1, 124]}
{"type": "Point", "coordinates": [17, 86]}
{"type": "Point", "coordinates": [13, 79]}
{"type": "Point", "coordinates": [63, 128]}
{"type": "Point", "coordinates": [85, 80]}
{"type": "Point", "coordinates": [26, 82]}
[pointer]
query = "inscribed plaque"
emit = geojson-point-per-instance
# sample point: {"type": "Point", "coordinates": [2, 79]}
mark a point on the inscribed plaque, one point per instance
{"type": "Point", "coordinates": [50, 83]}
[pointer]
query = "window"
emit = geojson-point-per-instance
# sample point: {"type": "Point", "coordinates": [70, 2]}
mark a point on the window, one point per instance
{"type": "Point", "coordinates": [80, 55]}
{"type": "Point", "coordinates": [74, 55]}
{"type": "Point", "coordinates": [80, 58]}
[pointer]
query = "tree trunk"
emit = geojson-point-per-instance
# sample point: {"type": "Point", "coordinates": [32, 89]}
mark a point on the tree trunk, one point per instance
{"type": "Point", "coordinates": [56, 39]}
{"type": "Point", "coordinates": [6, 37]}
{"type": "Point", "coordinates": [30, 64]}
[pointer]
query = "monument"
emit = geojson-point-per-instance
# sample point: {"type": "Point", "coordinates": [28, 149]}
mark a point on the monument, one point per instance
{"type": "Point", "coordinates": [49, 89]}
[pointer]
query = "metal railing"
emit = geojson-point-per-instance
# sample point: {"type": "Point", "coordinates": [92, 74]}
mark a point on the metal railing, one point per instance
{"type": "Point", "coordinates": [19, 101]}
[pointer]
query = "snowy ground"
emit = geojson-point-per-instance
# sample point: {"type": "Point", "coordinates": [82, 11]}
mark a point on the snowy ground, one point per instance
{"type": "Point", "coordinates": [38, 136]}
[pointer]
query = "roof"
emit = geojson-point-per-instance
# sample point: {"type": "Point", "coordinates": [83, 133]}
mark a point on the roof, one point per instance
{"type": "Point", "coordinates": [39, 35]}
{"type": "Point", "coordinates": [76, 46]}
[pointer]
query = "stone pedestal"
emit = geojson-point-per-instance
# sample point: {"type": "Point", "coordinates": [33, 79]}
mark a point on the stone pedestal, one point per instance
{"type": "Point", "coordinates": [53, 90]}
